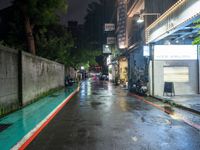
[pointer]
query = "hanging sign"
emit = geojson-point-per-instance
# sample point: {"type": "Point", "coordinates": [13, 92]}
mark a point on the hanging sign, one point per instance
{"type": "Point", "coordinates": [175, 52]}
{"type": "Point", "coordinates": [109, 27]}
{"type": "Point", "coordinates": [106, 49]}
{"type": "Point", "coordinates": [111, 40]}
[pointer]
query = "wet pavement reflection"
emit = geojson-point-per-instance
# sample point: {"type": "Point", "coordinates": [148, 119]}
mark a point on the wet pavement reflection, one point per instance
{"type": "Point", "coordinates": [104, 117]}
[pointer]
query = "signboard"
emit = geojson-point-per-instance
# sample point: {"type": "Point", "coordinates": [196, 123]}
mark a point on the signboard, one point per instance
{"type": "Point", "coordinates": [175, 52]}
{"type": "Point", "coordinates": [109, 27]}
{"type": "Point", "coordinates": [168, 88]}
{"type": "Point", "coordinates": [146, 51]}
{"type": "Point", "coordinates": [121, 24]}
{"type": "Point", "coordinates": [106, 49]}
{"type": "Point", "coordinates": [110, 40]}
{"type": "Point", "coordinates": [109, 60]}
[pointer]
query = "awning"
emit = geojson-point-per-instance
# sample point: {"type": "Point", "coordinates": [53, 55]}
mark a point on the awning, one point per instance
{"type": "Point", "coordinates": [179, 17]}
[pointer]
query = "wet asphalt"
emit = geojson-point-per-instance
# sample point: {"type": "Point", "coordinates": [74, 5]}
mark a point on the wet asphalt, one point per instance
{"type": "Point", "coordinates": [103, 117]}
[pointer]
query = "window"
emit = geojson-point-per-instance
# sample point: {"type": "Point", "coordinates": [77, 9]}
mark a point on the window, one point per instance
{"type": "Point", "coordinates": [176, 74]}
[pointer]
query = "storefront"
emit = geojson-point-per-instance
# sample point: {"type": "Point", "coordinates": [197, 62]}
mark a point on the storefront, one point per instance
{"type": "Point", "coordinates": [123, 71]}
{"type": "Point", "coordinates": [177, 64]}
{"type": "Point", "coordinates": [173, 57]}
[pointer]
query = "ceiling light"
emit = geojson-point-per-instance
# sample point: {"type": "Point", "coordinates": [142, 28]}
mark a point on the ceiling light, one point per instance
{"type": "Point", "coordinates": [140, 19]}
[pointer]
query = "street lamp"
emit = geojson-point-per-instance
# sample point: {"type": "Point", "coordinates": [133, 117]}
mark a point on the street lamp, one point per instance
{"type": "Point", "coordinates": [140, 19]}
{"type": "Point", "coordinates": [107, 46]}
{"type": "Point", "coordinates": [141, 16]}
{"type": "Point", "coordinates": [82, 67]}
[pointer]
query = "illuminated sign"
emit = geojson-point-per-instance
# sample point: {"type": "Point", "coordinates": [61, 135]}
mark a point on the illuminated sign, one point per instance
{"type": "Point", "coordinates": [111, 40]}
{"type": "Point", "coordinates": [175, 52]}
{"type": "Point", "coordinates": [121, 24]}
{"type": "Point", "coordinates": [146, 51]}
{"type": "Point", "coordinates": [109, 60]}
{"type": "Point", "coordinates": [106, 49]}
{"type": "Point", "coordinates": [109, 27]}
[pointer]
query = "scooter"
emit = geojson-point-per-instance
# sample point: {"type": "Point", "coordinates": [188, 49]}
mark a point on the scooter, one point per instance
{"type": "Point", "coordinates": [139, 87]}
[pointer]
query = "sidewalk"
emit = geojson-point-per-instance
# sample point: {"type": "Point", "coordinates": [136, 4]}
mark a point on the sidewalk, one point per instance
{"type": "Point", "coordinates": [167, 106]}
{"type": "Point", "coordinates": [18, 127]}
{"type": "Point", "coordinates": [189, 102]}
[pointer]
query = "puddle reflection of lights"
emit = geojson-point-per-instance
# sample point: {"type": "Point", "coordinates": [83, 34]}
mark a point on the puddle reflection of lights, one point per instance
{"type": "Point", "coordinates": [89, 87]}
{"type": "Point", "coordinates": [108, 106]}
{"type": "Point", "coordinates": [89, 90]}
{"type": "Point", "coordinates": [123, 105]}
{"type": "Point", "coordinates": [82, 93]}
{"type": "Point", "coordinates": [176, 117]}
{"type": "Point", "coordinates": [109, 88]}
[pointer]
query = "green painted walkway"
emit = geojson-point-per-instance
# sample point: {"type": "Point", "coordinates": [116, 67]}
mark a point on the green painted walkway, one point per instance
{"type": "Point", "coordinates": [24, 120]}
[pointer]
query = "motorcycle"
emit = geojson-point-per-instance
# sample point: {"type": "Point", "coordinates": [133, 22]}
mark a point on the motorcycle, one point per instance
{"type": "Point", "coordinates": [139, 87]}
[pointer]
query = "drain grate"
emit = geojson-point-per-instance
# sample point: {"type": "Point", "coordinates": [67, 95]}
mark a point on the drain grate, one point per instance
{"type": "Point", "coordinates": [4, 126]}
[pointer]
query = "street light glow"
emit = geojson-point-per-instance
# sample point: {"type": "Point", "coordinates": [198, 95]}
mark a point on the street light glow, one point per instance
{"type": "Point", "coordinates": [140, 19]}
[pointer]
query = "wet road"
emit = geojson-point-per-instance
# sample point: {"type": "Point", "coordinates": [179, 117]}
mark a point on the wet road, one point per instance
{"type": "Point", "coordinates": [103, 117]}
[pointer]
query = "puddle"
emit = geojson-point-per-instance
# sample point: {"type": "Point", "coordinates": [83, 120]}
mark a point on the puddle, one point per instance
{"type": "Point", "coordinates": [169, 110]}
{"type": "Point", "coordinates": [156, 120]}
{"type": "Point", "coordinates": [4, 127]}
{"type": "Point", "coordinates": [95, 93]}
{"type": "Point", "coordinates": [54, 95]}
{"type": "Point", "coordinates": [95, 104]}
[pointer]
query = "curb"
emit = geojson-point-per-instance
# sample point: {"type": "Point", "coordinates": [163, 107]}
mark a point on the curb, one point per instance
{"type": "Point", "coordinates": [172, 103]}
{"type": "Point", "coordinates": [31, 135]}
{"type": "Point", "coordinates": [196, 126]}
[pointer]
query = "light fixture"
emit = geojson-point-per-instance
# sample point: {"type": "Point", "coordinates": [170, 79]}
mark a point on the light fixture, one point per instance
{"type": "Point", "coordinates": [82, 67]}
{"type": "Point", "coordinates": [140, 19]}
{"type": "Point", "coordinates": [141, 16]}
{"type": "Point", "coordinates": [107, 46]}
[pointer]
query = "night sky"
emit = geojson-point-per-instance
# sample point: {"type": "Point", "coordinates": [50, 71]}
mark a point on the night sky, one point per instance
{"type": "Point", "coordinates": [77, 9]}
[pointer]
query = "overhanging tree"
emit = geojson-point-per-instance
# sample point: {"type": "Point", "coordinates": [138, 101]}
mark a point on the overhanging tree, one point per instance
{"type": "Point", "coordinates": [197, 39]}
{"type": "Point", "coordinates": [98, 13]}
{"type": "Point", "coordinates": [38, 12]}
{"type": "Point", "coordinates": [55, 43]}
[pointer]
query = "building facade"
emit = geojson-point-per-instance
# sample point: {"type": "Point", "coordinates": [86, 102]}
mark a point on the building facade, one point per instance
{"type": "Point", "coordinates": [174, 58]}
{"type": "Point", "coordinates": [131, 34]}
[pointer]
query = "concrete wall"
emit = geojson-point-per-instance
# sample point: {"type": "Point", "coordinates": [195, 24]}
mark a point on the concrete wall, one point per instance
{"type": "Point", "coordinates": [70, 72]}
{"type": "Point", "coordinates": [40, 75]}
{"type": "Point", "coordinates": [181, 88]}
{"type": "Point", "coordinates": [8, 76]}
